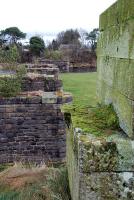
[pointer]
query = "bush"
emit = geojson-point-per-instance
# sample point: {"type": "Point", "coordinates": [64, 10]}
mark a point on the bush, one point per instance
{"type": "Point", "coordinates": [11, 55]}
{"type": "Point", "coordinates": [10, 85]}
{"type": "Point", "coordinates": [53, 55]}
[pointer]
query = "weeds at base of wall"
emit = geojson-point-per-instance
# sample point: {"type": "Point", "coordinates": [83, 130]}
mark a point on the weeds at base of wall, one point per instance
{"type": "Point", "coordinates": [36, 183]}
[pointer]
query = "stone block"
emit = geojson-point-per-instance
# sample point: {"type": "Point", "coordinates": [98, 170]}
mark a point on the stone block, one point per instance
{"type": "Point", "coordinates": [106, 186]}
{"type": "Point", "coordinates": [100, 168]}
{"type": "Point", "coordinates": [116, 61]}
{"type": "Point", "coordinates": [117, 41]}
{"type": "Point", "coordinates": [120, 12]}
{"type": "Point", "coordinates": [117, 74]}
{"type": "Point", "coordinates": [123, 106]}
{"type": "Point", "coordinates": [49, 98]}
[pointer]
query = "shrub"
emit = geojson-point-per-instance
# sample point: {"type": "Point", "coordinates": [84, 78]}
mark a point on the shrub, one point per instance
{"type": "Point", "coordinates": [10, 85]}
{"type": "Point", "coordinates": [11, 55]}
{"type": "Point", "coordinates": [53, 55]}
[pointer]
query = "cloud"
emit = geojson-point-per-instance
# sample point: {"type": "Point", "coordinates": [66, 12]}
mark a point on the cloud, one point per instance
{"type": "Point", "coordinates": [51, 15]}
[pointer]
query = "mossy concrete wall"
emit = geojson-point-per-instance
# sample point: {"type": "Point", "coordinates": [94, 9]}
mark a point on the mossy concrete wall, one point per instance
{"type": "Point", "coordinates": [115, 63]}
{"type": "Point", "coordinates": [100, 168]}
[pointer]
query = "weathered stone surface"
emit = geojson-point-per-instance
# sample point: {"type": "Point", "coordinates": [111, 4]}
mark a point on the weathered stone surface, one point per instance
{"type": "Point", "coordinates": [31, 132]}
{"type": "Point", "coordinates": [117, 74]}
{"type": "Point", "coordinates": [63, 66]}
{"type": "Point", "coordinates": [118, 13]}
{"type": "Point", "coordinates": [72, 165]}
{"type": "Point", "coordinates": [83, 69]}
{"type": "Point", "coordinates": [108, 186]}
{"type": "Point", "coordinates": [116, 61]}
{"type": "Point", "coordinates": [49, 97]}
{"type": "Point", "coordinates": [117, 41]}
{"type": "Point", "coordinates": [43, 69]}
{"type": "Point", "coordinates": [124, 107]}
{"type": "Point", "coordinates": [100, 168]}
{"type": "Point", "coordinates": [125, 149]}
{"type": "Point", "coordinates": [35, 82]}
{"type": "Point", "coordinates": [96, 155]}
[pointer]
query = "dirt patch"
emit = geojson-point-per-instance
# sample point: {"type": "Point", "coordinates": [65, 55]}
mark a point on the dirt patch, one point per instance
{"type": "Point", "coordinates": [17, 176]}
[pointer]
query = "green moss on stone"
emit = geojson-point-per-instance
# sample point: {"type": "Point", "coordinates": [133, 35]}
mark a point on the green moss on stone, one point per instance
{"type": "Point", "coordinates": [98, 121]}
{"type": "Point", "coordinates": [119, 12]}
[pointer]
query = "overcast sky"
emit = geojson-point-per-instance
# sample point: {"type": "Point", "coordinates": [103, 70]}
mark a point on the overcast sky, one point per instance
{"type": "Point", "coordinates": [51, 16]}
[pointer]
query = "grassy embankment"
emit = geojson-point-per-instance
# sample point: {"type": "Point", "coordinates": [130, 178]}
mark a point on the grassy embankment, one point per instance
{"type": "Point", "coordinates": [86, 113]}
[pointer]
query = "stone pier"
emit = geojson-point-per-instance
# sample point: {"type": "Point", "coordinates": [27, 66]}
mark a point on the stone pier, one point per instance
{"type": "Point", "coordinates": [32, 127]}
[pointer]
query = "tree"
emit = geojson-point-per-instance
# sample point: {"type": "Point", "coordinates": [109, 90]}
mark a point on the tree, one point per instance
{"type": "Point", "coordinates": [2, 41]}
{"type": "Point", "coordinates": [37, 45]}
{"type": "Point", "coordinates": [69, 37]}
{"type": "Point", "coordinates": [92, 38]}
{"type": "Point", "coordinates": [83, 37]}
{"type": "Point", "coordinates": [53, 45]}
{"type": "Point", "coordinates": [12, 35]}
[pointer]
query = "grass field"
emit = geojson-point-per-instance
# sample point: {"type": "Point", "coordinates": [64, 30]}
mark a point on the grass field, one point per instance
{"type": "Point", "coordinates": [86, 113]}
{"type": "Point", "coordinates": [82, 86]}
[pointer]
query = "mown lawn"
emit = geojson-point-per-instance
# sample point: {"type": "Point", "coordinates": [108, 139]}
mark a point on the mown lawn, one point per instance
{"type": "Point", "coordinates": [82, 86]}
{"type": "Point", "coordinates": [86, 113]}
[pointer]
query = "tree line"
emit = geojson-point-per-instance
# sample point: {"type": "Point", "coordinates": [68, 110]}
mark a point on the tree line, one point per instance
{"type": "Point", "coordinates": [11, 38]}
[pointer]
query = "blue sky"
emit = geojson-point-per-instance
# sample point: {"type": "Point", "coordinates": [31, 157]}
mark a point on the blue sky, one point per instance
{"type": "Point", "coordinates": [47, 17]}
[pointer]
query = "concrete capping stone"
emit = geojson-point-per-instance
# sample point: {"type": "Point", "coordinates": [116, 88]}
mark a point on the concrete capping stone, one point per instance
{"type": "Point", "coordinates": [49, 97]}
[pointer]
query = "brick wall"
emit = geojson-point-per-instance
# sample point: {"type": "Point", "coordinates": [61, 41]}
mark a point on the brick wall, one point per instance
{"type": "Point", "coordinates": [31, 130]}
{"type": "Point", "coordinates": [32, 127]}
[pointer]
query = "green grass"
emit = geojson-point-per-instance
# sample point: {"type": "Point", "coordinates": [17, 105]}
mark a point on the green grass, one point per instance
{"type": "Point", "coordinates": [82, 86]}
{"type": "Point", "coordinates": [86, 113]}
